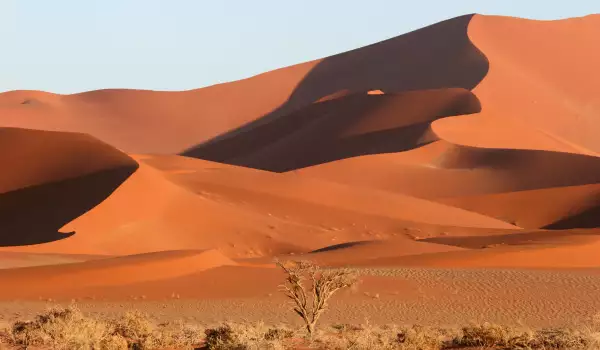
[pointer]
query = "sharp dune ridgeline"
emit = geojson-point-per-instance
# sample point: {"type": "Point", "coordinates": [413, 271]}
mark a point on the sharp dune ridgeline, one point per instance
{"type": "Point", "coordinates": [468, 144]}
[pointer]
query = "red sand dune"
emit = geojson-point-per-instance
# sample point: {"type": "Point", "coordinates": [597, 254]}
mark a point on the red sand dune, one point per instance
{"type": "Point", "coordinates": [532, 209]}
{"type": "Point", "coordinates": [347, 126]}
{"type": "Point", "coordinates": [30, 281]}
{"type": "Point", "coordinates": [246, 212]}
{"type": "Point", "coordinates": [435, 148]}
{"type": "Point", "coordinates": [169, 122]}
{"type": "Point", "coordinates": [542, 74]}
{"type": "Point", "coordinates": [51, 178]}
{"type": "Point", "coordinates": [572, 252]}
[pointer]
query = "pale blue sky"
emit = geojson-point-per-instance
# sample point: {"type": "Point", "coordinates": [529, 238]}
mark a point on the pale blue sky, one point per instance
{"type": "Point", "coordinates": [68, 46]}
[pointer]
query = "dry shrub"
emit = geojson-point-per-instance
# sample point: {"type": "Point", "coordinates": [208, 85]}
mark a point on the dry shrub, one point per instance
{"type": "Point", "coordinates": [141, 334]}
{"type": "Point", "coordinates": [358, 337]}
{"type": "Point", "coordinates": [136, 329]}
{"type": "Point", "coordinates": [420, 338]}
{"type": "Point", "coordinates": [65, 329]}
{"type": "Point", "coordinates": [222, 338]}
{"type": "Point", "coordinates": [247, 336]}
{"type": "Point", "coordinates": [562, 339]}
{"type": "Point", "coordinates": [68, 328]}
{"type": "Point", "coordinates": [310, 301]}
{"type": "Point", "coordinates": [177, 334]}
{"type": "Point", "coordinates": [491, 335]}
{"type": "Point", "coordinates": [381, 338]}
{"type": "Point", "coordinates": [4, 339]}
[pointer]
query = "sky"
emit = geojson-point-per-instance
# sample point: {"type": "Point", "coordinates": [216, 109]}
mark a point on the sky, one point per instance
{"type": "Point", "coordinates": [68, 46]}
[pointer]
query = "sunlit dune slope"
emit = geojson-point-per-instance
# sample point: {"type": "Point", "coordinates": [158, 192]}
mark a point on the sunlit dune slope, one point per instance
{"type": "Point", "coordinates": [175, 203]}
{"type": "Point", "coordinates": [26, 282]}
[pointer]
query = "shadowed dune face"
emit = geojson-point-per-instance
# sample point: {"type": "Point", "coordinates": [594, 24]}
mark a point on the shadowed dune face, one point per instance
{"type": "Point", "coordinates": [571, 206]}
{"type": "Point", "coordinates": [437, 57]}
{"type": "Point", "coordinates": [344, 127]}
{"type": "Point", "coordinates": [440, 56]}
{"type": "Point", "coordinates": [52, 178]}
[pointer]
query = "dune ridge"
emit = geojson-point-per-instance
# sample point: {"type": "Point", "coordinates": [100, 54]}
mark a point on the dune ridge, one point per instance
{"type": "Point", "coordinates": [51, 178]}
{"type": "Point", "coordinates": [467, 144]}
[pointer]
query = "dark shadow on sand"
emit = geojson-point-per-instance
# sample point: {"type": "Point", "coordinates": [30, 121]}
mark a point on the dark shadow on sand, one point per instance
{"type": "Point", "coordinates": [33, 215]}
{"type": "Point", "coordinates": [440, 56]}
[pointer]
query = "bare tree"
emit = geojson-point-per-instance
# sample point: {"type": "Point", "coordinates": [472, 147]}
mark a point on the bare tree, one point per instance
{"type": "Point", "coordinates": [310, 301]}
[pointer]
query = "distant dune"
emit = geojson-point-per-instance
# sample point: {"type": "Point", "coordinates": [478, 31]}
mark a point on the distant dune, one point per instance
{"type": "Point", "coordinates": [471, 143]}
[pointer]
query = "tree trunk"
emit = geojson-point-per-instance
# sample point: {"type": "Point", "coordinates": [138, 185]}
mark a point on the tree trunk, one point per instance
{"type": "Point", "coordinates": [310, 328]}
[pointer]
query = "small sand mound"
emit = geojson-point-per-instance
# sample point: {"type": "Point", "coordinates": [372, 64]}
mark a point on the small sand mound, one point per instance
{"type": "Point", "coordinates": [110, 271]}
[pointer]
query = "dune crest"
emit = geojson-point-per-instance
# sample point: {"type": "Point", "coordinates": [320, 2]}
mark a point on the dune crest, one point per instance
{"type": "Point", "coordinates": [51, 178]}
{"type": "Point", "coordinates": [470, 143]}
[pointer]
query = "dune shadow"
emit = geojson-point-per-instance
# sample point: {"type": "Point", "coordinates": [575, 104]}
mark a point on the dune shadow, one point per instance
{"type": "Point", "coordinates": [440, 56]}
{"type": "Point", "coordinates": [340, 246]}
{"type": "Point", "coordinates": [509, 239]}
{"type": "Point", "coordinates": [35, 214]}
{"type": "Point", "coordinates": [587, 219]}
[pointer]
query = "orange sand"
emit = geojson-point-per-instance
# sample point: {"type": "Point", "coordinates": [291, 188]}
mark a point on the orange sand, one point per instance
{"type": "Point", "coordinates": [468, 144]}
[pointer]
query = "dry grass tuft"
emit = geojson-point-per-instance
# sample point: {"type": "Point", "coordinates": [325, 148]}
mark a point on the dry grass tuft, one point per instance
{"type": "Point", "coordinates": [65, 328]}
{"type": "Point", "coordinates": [68, 329]}
{"type": "Point", "coordinates": [380, 338]}
{"type": "Point", "coordinates": [420, 338]}
{"type": "Point", "coordinates": [502, 337]}
{"type": "Point", "coordinates": [136, 329]}
{"type": "Point", "coordinates": [248, 336]}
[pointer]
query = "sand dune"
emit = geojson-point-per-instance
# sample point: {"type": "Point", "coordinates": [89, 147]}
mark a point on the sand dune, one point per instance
{"type": "Point", "coordinates": [169, 122]}
{"type": "Point", "coordinates": [51, 178]}
{"type": "Point", "coordinates": [347, 126]}
{"type": "Point", "coordinates": [531, 209]}
{"type": "Point", "coordinates": [10, 259]}
{"type": "Point", "coordinates": [534, 249]}
{"type": "Point", "coordinates": [245, 212]}
{"type": "Point", "coordinates": [467, 145]}
{"type": "Point", "coordinates": [546, 257]}
{"type": "Point", "coordinates": [543, 74]}
{"type": "Point", "coordinates": [30, 281]}
{"type": "Point", "coordinates": [443, 170]}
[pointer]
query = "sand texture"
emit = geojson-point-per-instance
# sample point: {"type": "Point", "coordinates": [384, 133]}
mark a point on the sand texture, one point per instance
{"type": "Point", "coordinates": [456, 167]}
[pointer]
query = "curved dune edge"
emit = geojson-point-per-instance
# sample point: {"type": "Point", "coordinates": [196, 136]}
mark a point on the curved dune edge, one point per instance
{"type": "Point", "coordinates": [110, 271]}
{"type": "Point", "coordinates": [349, 254]}
{"type": "Point", "coordinates": [540, 78]}
{"type": "Point", "coordinates": [40, 157]}
{"type": "Point", "coordinates": [50, 178]}
{"type": "Point", "coordinates": [443, 170]}
{"type": "Point", "coordinates": [10, 259]}
{"type": "Point", "coordinates": [114, 116]}
{"type": "Point", "coordinates": [273, 213]}
{"type": "Point", "coordinates": [304, 189]}
{"type": "Point", "coordinates": [537, 208]}
{"type": "Point", "coordinates": [536, 249]}
{"type": "Point", "coordinates": [341, 127]}
{"type": "Point", "coordinates": [551, 257]}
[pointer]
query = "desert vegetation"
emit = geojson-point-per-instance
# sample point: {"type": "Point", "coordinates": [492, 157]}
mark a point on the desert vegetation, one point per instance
{"type": "Point", "coordinates": [309, 287]}
{"type": "Point", "coordinates": [310, 299]}
{"type": "Point", "coordinates": [68, 328]}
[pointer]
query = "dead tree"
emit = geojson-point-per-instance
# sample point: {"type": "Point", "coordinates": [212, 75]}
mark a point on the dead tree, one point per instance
{"type": "Point", "coordinates": [310, 301]}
